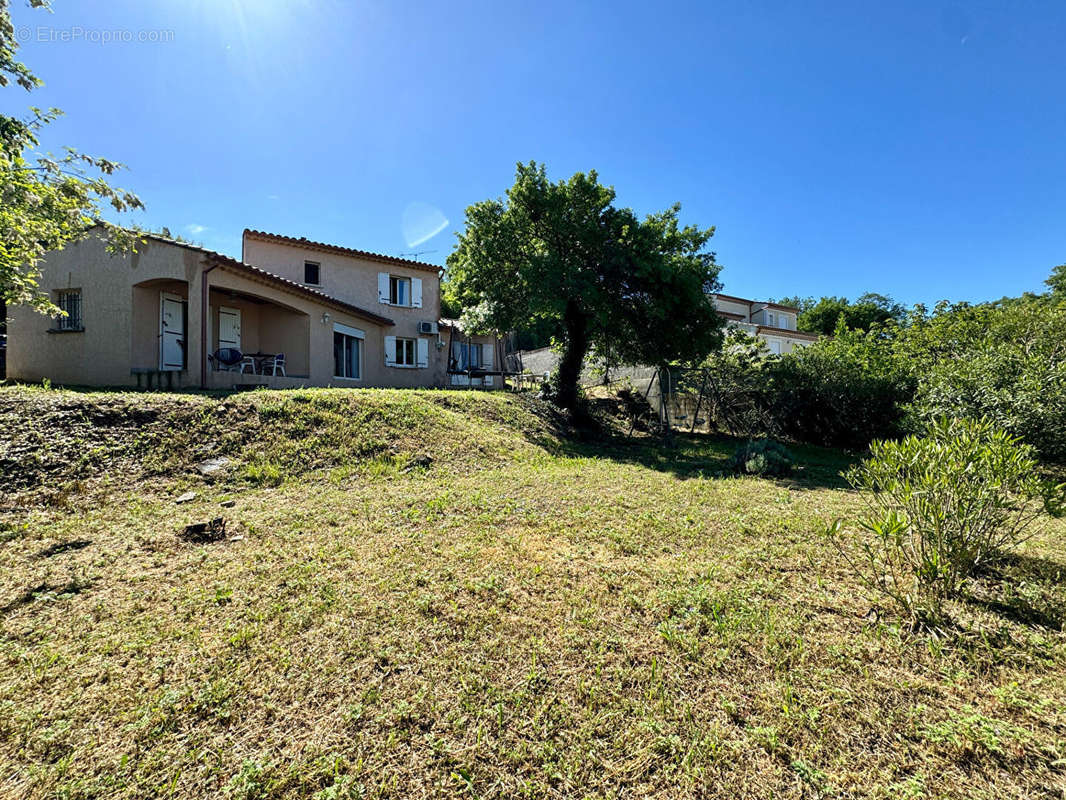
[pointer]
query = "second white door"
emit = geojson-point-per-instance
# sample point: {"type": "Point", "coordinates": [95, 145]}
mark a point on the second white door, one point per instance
{"type": "Point", "coordinates": [229, 327]}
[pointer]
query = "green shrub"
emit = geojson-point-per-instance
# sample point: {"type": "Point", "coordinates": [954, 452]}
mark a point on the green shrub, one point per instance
{"type": "Point", "coordinates": [1005, 361]}
{"type": "Point", "coordinates": [940, 506]}
{"type": "Point", "coordinates": [264, 474]}
{"type": "Point", "coordinates": [735, 394]}
{"type": "Point", "coordinates": [762, 457]}
{"type": "Point", "coordinates": [841, 392]}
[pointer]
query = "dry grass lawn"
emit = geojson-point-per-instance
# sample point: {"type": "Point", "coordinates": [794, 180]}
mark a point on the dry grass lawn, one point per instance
{"type": "Point", "coordinates": [526, 616]}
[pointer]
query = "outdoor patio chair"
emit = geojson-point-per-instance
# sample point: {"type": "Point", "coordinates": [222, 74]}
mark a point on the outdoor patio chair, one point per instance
{"type": "Point", "coordinates": [227, 359]}
{"type": "Point", "coordinates": [272, 364]}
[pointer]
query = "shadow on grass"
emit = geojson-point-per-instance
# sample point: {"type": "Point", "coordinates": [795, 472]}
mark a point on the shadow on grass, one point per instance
{"type": "Point", "coordinates": [699, 455]}
{"type": "Point", "coordinates": [1025, 589]}
{"type": "Point", "coordinates": [44, 589]}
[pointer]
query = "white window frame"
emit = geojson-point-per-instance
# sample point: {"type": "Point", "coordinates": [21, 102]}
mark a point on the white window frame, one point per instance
{"type": "Point", "coordinates": [316, 264]}
{"type": "Point", "coordinates": [394, 282]}
{"type": "Point", "coordinates": [359, 337]}
{"type": "Point", "coordinates": [404, 342]}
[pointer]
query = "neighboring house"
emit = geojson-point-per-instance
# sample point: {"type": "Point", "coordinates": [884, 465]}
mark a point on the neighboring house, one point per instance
{"type": "Point", "coordinates": [774, 324]}
{"type": "Point", "coordinates": [340, 317]}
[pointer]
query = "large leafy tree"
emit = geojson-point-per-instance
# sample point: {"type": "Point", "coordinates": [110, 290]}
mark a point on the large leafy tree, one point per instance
{"type": "Point", "coordinates": [46, 201]}
{"type": "Point", "coordinates": [868, 310]}
{"type": "Point", "coordinates": [563, 256]}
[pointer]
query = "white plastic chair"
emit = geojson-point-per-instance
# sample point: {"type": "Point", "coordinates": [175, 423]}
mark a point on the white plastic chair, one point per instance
{"type": "Point", "coordinates": [273, 364]}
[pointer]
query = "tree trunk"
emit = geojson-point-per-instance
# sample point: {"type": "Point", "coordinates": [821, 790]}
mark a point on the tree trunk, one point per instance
{"type": "Point", "coordinates": [577, 344]}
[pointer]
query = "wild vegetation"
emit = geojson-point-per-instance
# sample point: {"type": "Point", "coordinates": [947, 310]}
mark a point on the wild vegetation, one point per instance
{"type": "Point", "coordinates": [441, 594]}
{"type": "Point", "coordinates": [823, 315]}
{"type": "Point", "coordinates": [941, 506]}
{"type": "Point", "coordinates": [1005, 361]}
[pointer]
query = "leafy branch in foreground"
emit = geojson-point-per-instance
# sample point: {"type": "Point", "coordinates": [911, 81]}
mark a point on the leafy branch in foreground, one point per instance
{"type": "Point", "coordinates": [939, 507]}
{"type": "Point", "coordinates": [46, 201]}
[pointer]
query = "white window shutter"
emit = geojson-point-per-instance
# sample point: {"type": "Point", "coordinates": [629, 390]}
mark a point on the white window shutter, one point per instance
{"type": "Point", "coordinates": [423, 352]}
{"type": "Point", "coordinates": [390, 349]}
{"type": "Point", "coordinates": [486, 355]}
{"type": "Point", "coordinates": [383, 287]}
{"type": "Point", "coordinates": [416, 292]}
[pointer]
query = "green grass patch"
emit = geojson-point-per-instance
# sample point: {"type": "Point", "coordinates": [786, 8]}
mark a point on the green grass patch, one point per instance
{"type": "Point", "coordinates": [522, 615]}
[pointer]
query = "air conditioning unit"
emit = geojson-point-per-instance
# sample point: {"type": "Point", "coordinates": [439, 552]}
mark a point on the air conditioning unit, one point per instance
{"type": "Point", "coordinates": [427, 327]}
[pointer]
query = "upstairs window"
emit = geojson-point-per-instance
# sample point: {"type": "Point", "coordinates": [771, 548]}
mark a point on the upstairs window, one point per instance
{"type": "Point", "coordinates": [399, 291]}
{"type": "Point", "coordinates": [312, 273]}
{"type": "Point", "coordinates": [69, 300]}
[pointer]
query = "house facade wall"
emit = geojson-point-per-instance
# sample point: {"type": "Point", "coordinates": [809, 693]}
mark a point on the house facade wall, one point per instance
{"type": "Point", "coordinates": [121, 298]}
{"type": "Point", "coordinates": [350, 278]}
{"type": "Point", "coordinates": [101, 354]}
{"type": "Point", "coordinates": [354, 279]}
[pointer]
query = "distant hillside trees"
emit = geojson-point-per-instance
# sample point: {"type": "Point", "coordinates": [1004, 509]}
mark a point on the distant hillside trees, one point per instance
{"type": "Point", "coordinates": [822, 316]}
{"type": "Point", "coordinates": [562, 259]}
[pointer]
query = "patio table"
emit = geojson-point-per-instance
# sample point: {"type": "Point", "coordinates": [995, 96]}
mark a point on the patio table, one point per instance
{"type": "Point", "coordinates": [258, 359]}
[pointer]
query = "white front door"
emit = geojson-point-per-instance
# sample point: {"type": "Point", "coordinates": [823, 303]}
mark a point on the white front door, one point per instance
{"type": "Point", "coordinates": [171, 332]}
{"type": "Point", "coordinates": [229, 327]}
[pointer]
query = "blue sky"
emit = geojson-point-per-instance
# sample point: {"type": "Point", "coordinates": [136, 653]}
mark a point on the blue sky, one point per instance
{"type": "Point", "coordinates": [911, 148]}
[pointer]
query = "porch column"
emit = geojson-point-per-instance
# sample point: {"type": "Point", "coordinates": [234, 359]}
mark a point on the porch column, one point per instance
{"type": "Point", "coordinates": [197, 334]}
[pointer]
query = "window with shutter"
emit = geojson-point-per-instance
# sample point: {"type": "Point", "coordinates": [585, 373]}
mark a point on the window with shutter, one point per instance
{"type": "Point", "coordinates": [404, 352]}
{"type": "Point", "coordinates": [399, 290]}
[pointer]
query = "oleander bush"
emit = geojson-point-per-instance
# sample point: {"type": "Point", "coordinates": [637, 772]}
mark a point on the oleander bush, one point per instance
{"type": "Point", "coordinates": [938, 507]}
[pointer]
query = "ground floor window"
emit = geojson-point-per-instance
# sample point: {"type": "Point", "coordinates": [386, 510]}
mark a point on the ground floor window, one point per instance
{"type": "Point", "coordinates": [69, 300]}
{"type": "Point", "coordinates": [347, 356]}
{"type": "Point", "coordinates": [465, 356]}
{"type": "Point", "coordinates": [405, 352]}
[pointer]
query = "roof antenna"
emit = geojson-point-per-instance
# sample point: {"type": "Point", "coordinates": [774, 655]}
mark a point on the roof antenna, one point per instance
{"type": "Point", "coordinates": [418, 253]}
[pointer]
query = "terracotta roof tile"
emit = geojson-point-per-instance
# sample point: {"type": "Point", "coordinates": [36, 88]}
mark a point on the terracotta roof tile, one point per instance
{"type": "Point", "coordinates": [760, 303]}
{"type": "Point", "coordinates": [270, 277]}
{"type": "Point", "coordinates": [335, 248]}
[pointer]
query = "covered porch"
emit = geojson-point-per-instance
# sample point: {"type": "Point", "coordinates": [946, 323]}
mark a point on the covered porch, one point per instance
{"type": "Point", "coordinates": [272, 337]}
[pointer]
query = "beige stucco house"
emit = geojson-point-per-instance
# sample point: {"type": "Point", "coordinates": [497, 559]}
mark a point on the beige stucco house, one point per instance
{"type": "Point", "coordinates": [774, 324]}
{"type": "Point", "coordinates": [300, 313]}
